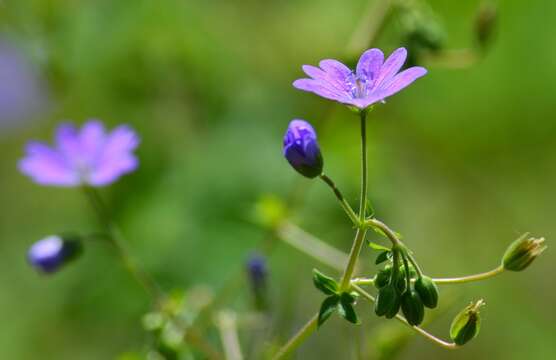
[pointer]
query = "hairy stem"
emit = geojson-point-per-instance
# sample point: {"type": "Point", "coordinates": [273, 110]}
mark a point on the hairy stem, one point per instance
{"type": "Point", "coordinates": [345, 205]}
{"type": "Point", "coordinates": [361, 230]}
{"type": "Point", "coordinates": [470, 278]}
{"type": "Point", "coordinates": [424, 333]}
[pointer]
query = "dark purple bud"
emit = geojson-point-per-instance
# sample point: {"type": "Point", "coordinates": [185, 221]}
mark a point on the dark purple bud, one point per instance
{"type": "Point", "coordinates": [51, 253]}
{"type": "Point", "coordinates": [302, 150]}
{"type": "Point", "coordinates": [257, 271]}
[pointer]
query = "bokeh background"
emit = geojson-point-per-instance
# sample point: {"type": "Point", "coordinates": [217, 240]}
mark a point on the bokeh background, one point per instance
{"type": "Point", "coordinates": [461, 163]}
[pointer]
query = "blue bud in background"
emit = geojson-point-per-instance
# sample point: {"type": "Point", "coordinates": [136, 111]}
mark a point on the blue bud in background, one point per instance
{"type": "Point", "coordinates": [257, 273]}
{"type": "Point", "coordinates": [302, 150]}
{"type": "Point", "coordinates": [51, 253]}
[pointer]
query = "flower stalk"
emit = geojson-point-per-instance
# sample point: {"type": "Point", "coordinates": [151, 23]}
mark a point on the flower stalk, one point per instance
{"type": "Point", "coordinates": [115, 238]}
{"type": "Point", "coordinates": [362, 229]}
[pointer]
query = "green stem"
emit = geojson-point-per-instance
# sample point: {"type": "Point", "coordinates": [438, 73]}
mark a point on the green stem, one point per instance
{"type": "Point", "coordinates": [363, 281]}
{"type": "Point", "coordinates": [363, 200]}
{"type": "Point", "coordinates": [345, 205]}
{"type": "Point", "coordinates": [361, 230]}
{"type": "Point", "coordinates": [470, 278]}
{"type": "Point", "coordinates": [298, 338]}
{"type": "Point", "coordinates": [385, 229]}
{"type": "Point", "coordinates": [414, 263]}
{"type": "Point", "coordinates": [115, 237]}
{"type": "Point", "coordinates": [424, 333]}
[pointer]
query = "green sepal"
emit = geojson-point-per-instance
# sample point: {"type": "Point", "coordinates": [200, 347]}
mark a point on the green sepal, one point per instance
{"type": "Point", "coordinates": [329, 305]}
{"type": "Point", "coordinates": [346, 309]}
{"type": "Point", "coordinates": [428, 291]}
{"type": "Point", "coordinates": [412, 307]}
{"type": "Point", "coordinates": [466, 324]}
{"type": "Point", "coordinates": [383, 256]}
{"type": "Point", "coordinates": [324, 283]}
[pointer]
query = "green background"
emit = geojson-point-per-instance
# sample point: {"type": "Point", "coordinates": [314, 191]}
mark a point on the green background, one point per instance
{"type": "Point", "coordinates": [462, 162]}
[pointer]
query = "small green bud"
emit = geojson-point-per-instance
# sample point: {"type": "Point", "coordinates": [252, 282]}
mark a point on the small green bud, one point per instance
{"type": "Point", "coordinates": [466, 324]}
{"type": "Point", "coordinates": [387, 302]}
{"type": "Point", "coordinates": [521, 253]}
{"type": "Point", "coordinates": [428, 291]}
{"type": "Point", "coordinates": [412, 307]}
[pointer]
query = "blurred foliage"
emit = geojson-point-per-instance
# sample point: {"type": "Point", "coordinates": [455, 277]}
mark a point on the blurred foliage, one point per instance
{"type": "Point", "coordinates": [461, 163]}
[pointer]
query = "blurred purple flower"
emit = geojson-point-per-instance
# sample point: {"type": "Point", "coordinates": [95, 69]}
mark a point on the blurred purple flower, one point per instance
{"type": "Point", "coordinates": [257, 271]}
{"type": "Point", "coordinates": [302, 150]}
{"type": "Point", "coordinates": [373, 80]}
{"type": "Point", "coordinates": [22, 93]}
{"type": "Point", "coordinates": [51, 253]}
{"type": "Point", "coordinates": [88, 156]}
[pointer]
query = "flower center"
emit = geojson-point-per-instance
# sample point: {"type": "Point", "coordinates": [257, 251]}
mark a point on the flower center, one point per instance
{"type": "Point", "coordinates": [359, 85]}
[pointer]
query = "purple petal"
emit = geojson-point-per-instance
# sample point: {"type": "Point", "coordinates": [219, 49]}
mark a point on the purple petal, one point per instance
{"type": "Point", "coordinates": [47, 167]}
{"type": "Point", "coordinates": [336, 71]}
{"type": "Point", "coordinates": [112, 169]}
{"type": "Point", "coordinates": [67, 141]}
{"type": "Point", "coordinates": [392, 65]}
{"type": "Point", "coordinates": [400, 81]}
{"type": "Point", "coordinates": [369, 64]}
{"type": "Point", "coordinates": [116, 157]}
{"type": "Point", "coordinates": [92, 138]}
{"type": "Point", "coordinates": [318, 87]}
{"type": "Point", "coordinates": [331, 82]}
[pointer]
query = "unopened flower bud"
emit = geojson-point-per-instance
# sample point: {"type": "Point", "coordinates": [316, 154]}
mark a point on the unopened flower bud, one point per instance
{"type": "Point", "coordinates": [522, 252]}
{"type": "Point", "coordinates": [412, 307]}
{"type": "Point", "coordinates": [257, 274]}
{"type": "Point", "coordinates": [51, 253]}
{"type": "Point", "coordinates": [466, 324]}
{"type": "Point", "coordinates": [302, 150]}
{"type": "Point", "coordinates": [387, 302]}
{"type": "Point", "coordinates": [428, 291]}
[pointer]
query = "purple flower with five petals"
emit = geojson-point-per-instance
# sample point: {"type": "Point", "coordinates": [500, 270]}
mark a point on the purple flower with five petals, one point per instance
{"type": "Point", "coordinates": [373, 80]}
{"type": "Point", "coordinates": [86, 156]}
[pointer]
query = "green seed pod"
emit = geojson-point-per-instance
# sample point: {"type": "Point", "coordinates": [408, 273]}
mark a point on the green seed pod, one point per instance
{"type": "Point", "coordinates": [521, 253]}
{"type": "Point", "coordinates": [466, 324]}
{"type": "Point", "coordinates": [428, 291]}
{"type": "Point", "coordinates": [383, 277]}
{"type": "Point", "coordinates": [412, 307]}
{"type": "Point", "coordinates": [387, 302]}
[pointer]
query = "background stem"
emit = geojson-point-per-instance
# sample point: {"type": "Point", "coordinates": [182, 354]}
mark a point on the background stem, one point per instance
{"type": "Point", "coordinates": [298, 338]}
{"type": "Point", "coordinates": [116, 239]}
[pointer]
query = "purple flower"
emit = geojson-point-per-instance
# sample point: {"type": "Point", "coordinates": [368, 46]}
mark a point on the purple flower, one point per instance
{"type": "Point", "coordinates": [51, 253]}
{"type": "Point", "coordinates": [89, 156]}
{"type": "Point", "coordinates": [374, 79]}
{"type": "Point", "coordinates": [302, 150]}
{"type": "Point", "coordinates": [22, 91]}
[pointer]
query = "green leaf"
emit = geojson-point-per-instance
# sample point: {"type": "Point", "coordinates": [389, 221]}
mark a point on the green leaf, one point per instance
{"type": "Point", "coordinates": [346, 310]}
{"type": "Point", "coordinates": [324, 283]}
{"type": "Point", "coordinates": [329, 305]}
{"type": "Point", "coordinates": [378, 247]}
{"type": "Point", "coordinates": [383, 256]}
